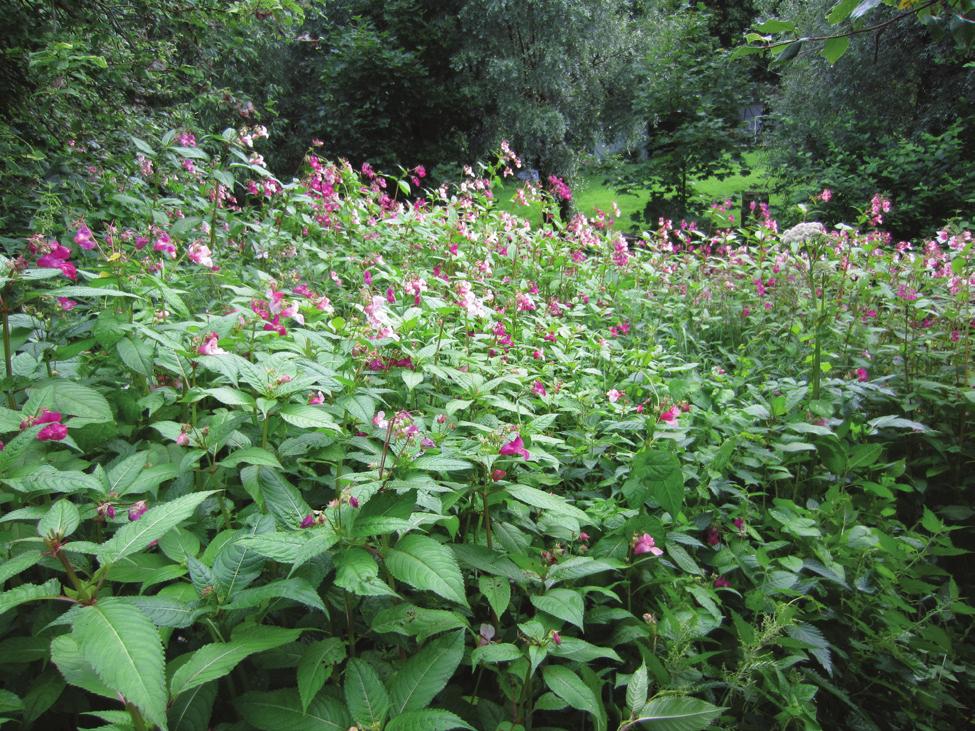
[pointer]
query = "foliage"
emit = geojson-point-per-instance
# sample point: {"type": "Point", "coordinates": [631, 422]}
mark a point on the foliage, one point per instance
{"type": "Point", "coordinates": [687, 98]}
{"type": "Point", "coordinates": [315, 455]}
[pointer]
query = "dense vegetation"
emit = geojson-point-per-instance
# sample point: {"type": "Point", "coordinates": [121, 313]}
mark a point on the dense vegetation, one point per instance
{"type": "Point", "coordinates": [295, 441]}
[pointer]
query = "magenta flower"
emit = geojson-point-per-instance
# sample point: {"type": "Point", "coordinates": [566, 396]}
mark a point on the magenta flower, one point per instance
{"type": "Point", "coordinates": [200, 254]}
{"type": "Point", "coordinates": [183, 439]}
{"type": "Point", "coordinates": [307, 522]}
{"type": "Point", "coordinates": [66, 304]}
{"type": "Point", "coordinates": [539, 389]}
{"type": "Point", "coordinates": [210, 347]}
{"type": "Point", "coordinates": [498, 475]}
{"type": "Point", "coordinates": [670, 415]}
{"type": "Point", "coordinates": [48, 417]}
{"type": "Point", "coordinates": [862, 375]}
{"type": "Point", "coordinates": [613, 395]}
{"type": "Point", "coordinates": [515, 447]}
{"type": "Point", "coordinates": [137, 510]}
{"type": "Point", "coordinates": [53, 432]}
{"type": "Point", "coordinates": [713, 537]}
{"type": "Point", "coordinates": [721, 582]}
{"type": "Point", "coordinates": [354, 501]}
{"type": "Point", "coordinates": [84, 238]}
{"type": "Point", "coordinates": [106, 510]}
{"type": "Point", "coordinates": [646, 544]}
{"type": "Point", "coordinates": [316, 398]}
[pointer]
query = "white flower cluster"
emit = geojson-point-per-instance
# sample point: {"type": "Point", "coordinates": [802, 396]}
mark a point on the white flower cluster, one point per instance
{"type": "Point", "coordinates": [802, 232]}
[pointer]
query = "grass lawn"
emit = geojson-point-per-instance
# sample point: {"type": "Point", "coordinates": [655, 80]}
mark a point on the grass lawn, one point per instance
{"type": "Point", "coordinates": [592, 192]}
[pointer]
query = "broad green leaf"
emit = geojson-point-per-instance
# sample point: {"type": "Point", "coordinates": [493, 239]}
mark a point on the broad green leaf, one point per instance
{"type": "Point", "coordinates": [281, 547]}
{"type": "Point", "coordinates": [70, 398]}
{"type": "Point", "coordinates": [841, 11]}
{"type": "Point", "coordinates": [316, 665]}
{"type": "Point", "coordinates": [62, 520]}
{"type": "Point", "coordinates": [413, 621]}
{"type": "Point", "coordinates": [66, 654]}
{"type": "Point", "coordinates": [565, 604]}
{"type": "Point", "coordinates": [29, 593]}
{"type": "Point", "coordinates": [384, 513]}
{"type": "Point", "coordinates": [572, 648]}
{"type": "Point", "coordinates": [573, 690]}
{"type": "Point", "coordinates": [154, 523]}
{"type": "Point", "coordinates": [123, 474]}
{"type": "Point", "coordinates": [497, 591]}
{"type": "Point", "coordinates": [357, 572]}
{"type": "Point", "coordinates": [365, 695]}
{"type": "Point", "coordinates": [164, 611]}
{"type": "Point", "coordinates": [296, 590]}
{"type": "Point", "coordinates": [230, 396]}
{"type": "Point", "coordinates": [124, 649]}
{"type": "Point", "coordinates": [436, 463]}
{"type": "Point", "coordinates": [637, 688]}
{"type": "Point", "coordinates": [425, 674]}
{"type": "Point", "coordinates": [656, 473]}
{"type": "Point", "coordinates": [219, 658]}
{"type": "Point", "coordinates": [43, 694]}
{"type": "Point", "coordinates": [503, 652]}
{"type": "Point", "coordinates": [308, 417]}
{"type": "Point", "coordinates": [677, 713]}
{"type": "Point", "coordinates": [236, 564]}
{"type": "Point", "coordinates": [137, 355]}
{"type": "Point", "coordinates": [251, 455]}
{"type": "Point", "coordinates": [547, 501]}
{"type": "Point", "coordinates": [429, 719]}
{"type": "Point", "coordinates": [10, 702]}
{"type": "Point", "coordinates": [192, 710]}
{"type": "Point", "coordinates": [21, 562]}
{"type": "Point", "coordinates": [281, 710]}
{"type": "Point", "coordinates": [282, 499]}
{"type": "Point", "coordinates": [425, 564]}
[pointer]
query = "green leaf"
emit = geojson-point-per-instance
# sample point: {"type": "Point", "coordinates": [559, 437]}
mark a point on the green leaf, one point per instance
{"type": "Point", "coordinates": [365, 695]}
{"type": "Point", "coordinates": [357, 572]}
{"type": "Point", "coordinates": [164, 611]}
{"type": "Point", "coordinates": [124, 474]}
{"type": "Point", "coordinates": [776, 26]}
{"type": "Point", "coordinates": [413, 621]}
{"type": "Point", "coordinates": [841, 11]}
{"type": "Point", "coordinates": [637, 688]}
{"type": "Point", "coordinates": [29, 593]}
{"type": "Point", "coordinates": [192, 710]}
{"type": "Point", "coordinates": [61, 520]}
{"type": "Point", "coordinates": [251, 455]}
{"type": "Point", "coordinates": [316, 665]}
{"type": "Point", "coordinates": [436, 463]}
{"type": "Point", "coordinates": [677, 713]}
{"type": "Point", "coordinates": [296, 590]}
{"type": "Point", "coordinates": [565, 604]}
{"type": "Point", "coordinates": [503, 652]}
{"type": "Point", "coordinates": [71, 398]}
{"type": "Point", "coordinates": [412, 379]}
{"type": "Point", "coordinates": [230, 396]}
{"type": "Point", "coordinates": [497, 591]}
{"type": "Point", "coordinates": [219, 658]}
{"type": "Point", "coordinates": [425, 564]}
{"type": "Point", "coordinates": [154, 523]}
{"type": "Point", "coordinates": [547, 501]}
{"type": "Point", "coordinates": [10, 703]}
{"type": "Point", "coordinates": [384, 513]}
{"type": "Point", "coordinates": [21, 562]}
{"type": "Point", "coordinates": [66, 654]}
{"type": "Point", "coordinates": [282, 499]}
{"type": "Point", "coordinates": [570, 687]}
{"type": "Point", "coordinates": [429, 719]}
{"type": "Point", "coordinates": [834, 48]}
{"type": "Point", "coordinates": [656, 473]}
{"type": "Point", "coordinates": [136, 355]}
{"type": "Point", "coordinates": [283, 547]}
{"type": "Point", "coordinates": [124, 649]}
{"type": "Point", "coordinates": [81, 291]}
{"type": "Point", "coordinates": [308, 417]}
{"type": "Point", "coordinates": [425, 674]}
{"type": "Point", "coordinates": [281, 710]}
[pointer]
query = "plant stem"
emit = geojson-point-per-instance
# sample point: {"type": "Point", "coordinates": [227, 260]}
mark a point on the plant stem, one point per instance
{"type": "Point", "coordinates": [8, 362]}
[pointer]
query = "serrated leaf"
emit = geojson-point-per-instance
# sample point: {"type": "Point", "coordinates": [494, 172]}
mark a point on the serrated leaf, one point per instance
{"type": "Point", "coordinates": [280, 710]}
{"type": "Point", "coordinates": [413, 621]}
{"type": "Point", "coordinates": [219, 658]}
{"type": "Point", "coordinates": [315, 667]}
{"type": "Point", "coordinates": [192, 710]}
{"type": "Point", "coordinates": [29, 593]}
{"type": "Point", "coordinates": [656, 473]}
{"type": "Point", "coordinates": [357, 572]}
{"type": "Point", "coordinates": [497, 591]}
{"type": "Point", "coordinates": [436, 463]}
{"type": "Point", "coordinates": [296, 590]}
{"type": "Point", "coordinates": [425, 564]}
{"type": "Point", "coordinates": [385, 513]}
{"type": "Point", "coordinates": [281, 498]}
{"type": "Point", "coordinates": [425, 674]}
{"type": "Point", "coordinates": [308, 417]}
{"type": "Point", "coordinates": [61, 520]}
{"type": "Point", "coordinates": [21, 562]}
{"type": "Point", "coordinates": [565, 604]}
{"type": "Point", "coordinates": [573, 690]}
{"type": "Point", "coordinates": [365, 696]}
{"type": "Point", "coordinates": [230, 396]}
{"type": "Point", "coordinates": [66, 654]}
{"type": "Point", "coordinates": [124, 649]}
{"type": "Point", "coordinates": [429, 719]}
{"type": "Point", "coordinates": [251, 455]}
{"type": "Point", "coordinates": [572, 648]}
{"type": "Point", "coordinates": [677, 713]}
{"type": "Point", "coordinates": [137, 355]}
{"type": "Point", "coordinates": [281, 547]}
{"type": "Point", "coordinates": [637, 688]}
{"type": "Point", "coordinates": [154, 523]}
{"type": "Point", "coordinates": [501, 652]}
{"type": "Point", "coordinates": [164, 611]}
{"type": "Point", "coordinates": [834, 48]}
{"type": "Point", "coordinates": [547, 501]}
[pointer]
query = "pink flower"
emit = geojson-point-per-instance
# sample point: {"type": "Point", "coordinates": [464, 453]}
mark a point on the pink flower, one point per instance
{"type": "Point", "coordinates": [862, 375]}
{"type": "Point", "coordinates": [584, 537]}
{"type": "Point", "coordinates": [84, 238]}
{"type": "Point", "coordinates": [539, 389]}
{"type": "Point", "coordinates": [137, 510]}
{"type": "Point", "coordinates": [515, 447]}
{"type": "Point", "coordinates": [48, 417]}
{"type": "Point", "coordinates": [380, 421]}
{"type": "Point", "coordinates": [210, 347]}
{"type": "Point", "coordinates": [721, 582]}
{"type": "Point", "coordinates": [713, 537]}
{"type": "Point", "coordinates": [670, 415]}
{"type": "Point", "coordinates": [645, 544]}
{"type": "Point", "coordinates": [183, 439]}
{"type": "Point", "coordinates": [105, 510]}
{"type": "Point", "coordinates": [556, 638]}
{"type": "Point", "coordinates": [316, 398]}
{"type": "Point", "coordinates": [367, 277]}
{"type": "Point", "coordinates": [200, 254]}
{"type": "Point", "coordinates": [826, 196]}
{"type": "Point", "coordinates": [613, 395]}
{"type": "Point", "coordinates": [66, 304]}
{"type": "Point", "coordinates": [427, 443]}
{"type": "Point", "coordinates": [390, 295]}
{"type": "Point", "coordinates": [307, 522]}
{"type": "Point", "coordinates": [52, 433]}
{"type": "Point", "coordinates": [739, 523]}
{"type": "Point", "coordinates": [353, 501]}
{"type": "Point", "coordinates": [498, 475]}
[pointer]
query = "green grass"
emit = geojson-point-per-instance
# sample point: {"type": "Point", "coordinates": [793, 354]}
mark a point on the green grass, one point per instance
{"type": "Point", "coordinates": [592, 193]}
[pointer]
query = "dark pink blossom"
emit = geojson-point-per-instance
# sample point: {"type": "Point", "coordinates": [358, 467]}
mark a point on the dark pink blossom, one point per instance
{"type": "Point", "coordinates": [645, 544]}
{"type": "Point", "coordinates": [52, 433]}
{"type": "Point", "coordinates": [137, 510]}
{"type": "Point", "coordinates": [515, 447]}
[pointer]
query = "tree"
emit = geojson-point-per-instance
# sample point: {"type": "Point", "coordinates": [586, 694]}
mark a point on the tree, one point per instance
{"type": "Point", "coordinates": [545, 73]}
{"type": "Point", "coordinates": [687, 98]}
